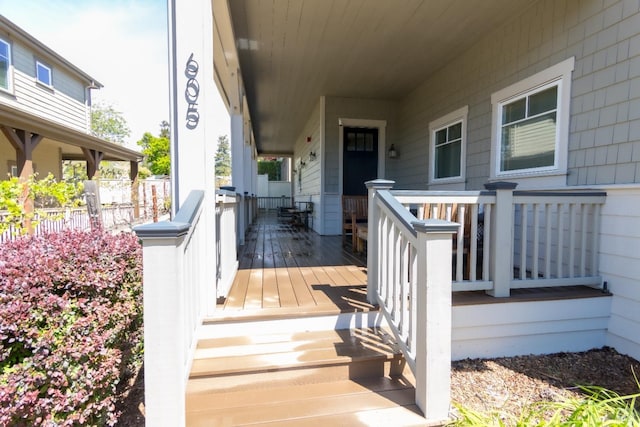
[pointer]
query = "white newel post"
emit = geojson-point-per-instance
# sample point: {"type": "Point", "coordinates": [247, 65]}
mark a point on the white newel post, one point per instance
{"type": "Point", "coordinates": [372, 236]}
{"type": "Point", "coordinates": [164, 329]}
{"type": "Point", "coordinates": [433, 327]}
{"type": "Point", "coordinates": [501, 256]}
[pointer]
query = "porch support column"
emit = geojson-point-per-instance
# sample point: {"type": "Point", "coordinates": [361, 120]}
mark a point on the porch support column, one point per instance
{"type": "Point", "coordinates": [501, 254]}
{"type": "Point", "coordinates": [237, 170]}
{"type": "Point", "coordinates": [433, 325]}
{"type": "Point", "coordinates": [373, 236]}
{"type": "Point", "coordinates": [24, 142]}
{"type": "Point", "coordinates": [135, 196]}
{"type": "Point", "coordinates": [93, 158]}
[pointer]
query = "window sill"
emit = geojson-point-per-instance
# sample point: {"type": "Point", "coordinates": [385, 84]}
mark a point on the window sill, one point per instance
{"type": "Point", "coordinates": [534, 180]}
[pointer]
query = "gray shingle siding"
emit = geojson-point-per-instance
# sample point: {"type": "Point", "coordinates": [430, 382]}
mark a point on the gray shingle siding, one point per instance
{"type": "Point", "coordinates": [604, 37]}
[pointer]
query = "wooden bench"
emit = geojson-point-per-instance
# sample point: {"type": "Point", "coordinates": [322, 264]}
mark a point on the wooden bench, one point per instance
{"type": "Point", "coordinates": [355, 210]}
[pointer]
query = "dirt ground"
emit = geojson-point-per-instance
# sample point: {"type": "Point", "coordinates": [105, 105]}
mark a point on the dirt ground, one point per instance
{"type": "Point", "coordinates": [505, 384]}
{"type": "Point", "coordinates": [510, 383]}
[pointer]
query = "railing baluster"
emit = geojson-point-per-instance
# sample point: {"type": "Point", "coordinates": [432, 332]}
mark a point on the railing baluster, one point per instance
{"type": "Point", "coordinates": [473, 241]}
{"type": "Point", "coordinates": [536, 240]}
{"type": "Point", "coordinates": [460, 243]}
{"type": "Point", "coordinates": [547, 251]}
{"type": "Point", "coordinates": [596, 240]}
{"type": "Point", "coordinates": [523, 241]}
{"type": "Point", "coordinates": [486, 241]}
{"type": "Point", "coordinates": [583, 240]}
{"type": "Point", "coordinates": [559, 258]}
{"type": "Point", "coordinates": [572, 239]}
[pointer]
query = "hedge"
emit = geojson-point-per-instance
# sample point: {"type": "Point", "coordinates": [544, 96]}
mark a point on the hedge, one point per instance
{"type": "Point", "coordinates": [70, 326]}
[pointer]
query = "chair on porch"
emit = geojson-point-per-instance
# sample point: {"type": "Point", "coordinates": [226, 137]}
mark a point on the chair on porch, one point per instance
{"type": "Point", "coordinates": [355, 211]}
{"type": "Point", "coordinates": [451, 212]}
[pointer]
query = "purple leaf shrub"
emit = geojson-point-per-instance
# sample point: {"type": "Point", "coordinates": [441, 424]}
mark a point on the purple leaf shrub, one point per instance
{"type": "Point", "coordinates": [70, 313]}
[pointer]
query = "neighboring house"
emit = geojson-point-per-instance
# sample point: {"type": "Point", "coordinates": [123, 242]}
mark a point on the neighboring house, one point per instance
{"type": "Point", "coordinates": [45, 111]}
{"type": "Point", "coordinates": [434, 95]}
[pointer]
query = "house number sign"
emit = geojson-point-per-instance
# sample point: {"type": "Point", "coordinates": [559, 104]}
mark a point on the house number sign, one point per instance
{"type": "Point", "coordinates": [191, 92]}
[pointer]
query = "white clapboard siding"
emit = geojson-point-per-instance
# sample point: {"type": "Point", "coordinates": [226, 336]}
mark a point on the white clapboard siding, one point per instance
{"type": "Point", "coordinates": [51, 104]}
{"type": "Point", "coordinates": [536, 327]}
{"type": "Point", "coordinates": [620, 266]}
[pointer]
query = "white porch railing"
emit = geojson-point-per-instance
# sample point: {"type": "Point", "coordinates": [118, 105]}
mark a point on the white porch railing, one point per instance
{"type": "Point", "coordinates": [174, 277]}
{"type": "Point", "coordinates": [510, 239]}
{"type": "Point", "coordinates": [274, 203]}
{"type": "Point", "coordinates": [409, 277]}
{"type": "Point", "coordinates": [226, 241]}
{"type": "Point", "coordinates": [503, 240]}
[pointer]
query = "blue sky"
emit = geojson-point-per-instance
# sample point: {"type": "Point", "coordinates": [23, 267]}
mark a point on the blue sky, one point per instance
{"type": "Point", "coordinates": [121, 43]}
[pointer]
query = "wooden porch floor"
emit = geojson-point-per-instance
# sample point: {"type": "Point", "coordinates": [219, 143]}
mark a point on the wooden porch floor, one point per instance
{"type": "Point", "coordinates": [284, 269]}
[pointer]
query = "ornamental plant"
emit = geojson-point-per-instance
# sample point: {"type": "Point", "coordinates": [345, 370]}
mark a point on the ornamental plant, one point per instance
{"type": "Point", "coordinates": [45, 192]}
{"type": "Point", "coordinates": [70, 320]}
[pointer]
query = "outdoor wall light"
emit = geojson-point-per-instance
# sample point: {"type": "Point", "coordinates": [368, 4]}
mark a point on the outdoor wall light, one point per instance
{"type": "Point", "coordinates": [392, 152]}
{"type": "Point", "coordinates": [302, 164]}
{"type": "Point", "coordinates": [312, 156]}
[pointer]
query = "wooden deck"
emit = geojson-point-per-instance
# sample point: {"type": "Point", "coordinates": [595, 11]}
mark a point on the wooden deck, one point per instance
{"type": "Point", "coordinates": [285, 269]}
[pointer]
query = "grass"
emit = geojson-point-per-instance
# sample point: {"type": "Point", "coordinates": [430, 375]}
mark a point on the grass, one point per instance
{"type": "Point", "coordinates": [598, 407]}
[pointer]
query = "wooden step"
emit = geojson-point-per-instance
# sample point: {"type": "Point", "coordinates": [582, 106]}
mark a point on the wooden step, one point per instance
{"type": "Point", "coordinates": [328, 377]}
{"type": "Point", "coordinates": [374, 401]}
{"type": "Point", "coordinates": [371, 348]}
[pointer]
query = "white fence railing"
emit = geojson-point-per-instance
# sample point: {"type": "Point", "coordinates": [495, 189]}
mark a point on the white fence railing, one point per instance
{"type": "Point", "coordinates": [58, 219]}
{"type": "Point", "coordinates": [175, 265]}
{"type": "Point", "coordinates": [226, 240]}
{"type": "Point", "coordinates": [274, 203]}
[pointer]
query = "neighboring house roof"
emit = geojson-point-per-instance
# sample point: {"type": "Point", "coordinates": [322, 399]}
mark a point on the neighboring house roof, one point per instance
{"type": "Point", "coordinates": [19, 119]}
{"type": "Point", "coordinates": [19, 34]}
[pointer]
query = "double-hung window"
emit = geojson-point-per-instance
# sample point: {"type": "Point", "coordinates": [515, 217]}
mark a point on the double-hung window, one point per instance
{"type": "Point", "coordinates": [447, 136]}
{"type": "Point", "coordinates": [5, 65]}
{"type": "Point", "coordinates": [531, 125]}
{"type": "Point", "coordinates": [43, 74]}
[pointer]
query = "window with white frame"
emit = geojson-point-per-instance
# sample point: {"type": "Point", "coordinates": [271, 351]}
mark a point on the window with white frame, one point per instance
{"type": "Point", "coordinates": [530, 129]}
{"type": "Point", "coordinates": [43, 73]}
{"type": "Point", "coordinates": [447, 147]}
{"type": "Point", "coordinates": [5, 65]}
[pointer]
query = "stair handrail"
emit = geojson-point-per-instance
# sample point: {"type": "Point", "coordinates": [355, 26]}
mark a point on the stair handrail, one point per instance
{"type": "Point", "coordinates": [409, 278]}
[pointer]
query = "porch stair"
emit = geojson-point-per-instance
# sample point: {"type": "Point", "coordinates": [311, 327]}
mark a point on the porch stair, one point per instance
{"type": "Point", "coordinates": [301, 378]}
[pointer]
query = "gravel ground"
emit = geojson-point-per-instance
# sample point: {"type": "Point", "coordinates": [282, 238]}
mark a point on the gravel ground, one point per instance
{"type": "Point", "coordinates": [505, 384]}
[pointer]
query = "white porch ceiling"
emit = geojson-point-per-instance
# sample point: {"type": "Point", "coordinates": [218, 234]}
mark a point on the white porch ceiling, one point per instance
{"type": "Point", "coordinates": [291, 52]}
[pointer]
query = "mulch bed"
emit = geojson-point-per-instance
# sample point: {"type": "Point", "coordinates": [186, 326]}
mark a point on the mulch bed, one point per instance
{"type": "Point", "coordinates": [508, 384]}
{"type": "Point", "coordinates": [505, 384]}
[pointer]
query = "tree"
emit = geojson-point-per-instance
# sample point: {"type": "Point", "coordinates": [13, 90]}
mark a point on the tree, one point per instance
{"type": "Point", "coordinates": [270, 167]}
{"type": "Point", "coordinates": [223, 161]}
{"type": "Point", "coordinates": [109, 124]}
{"type": "Point", "coordinates": [156, 150]}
